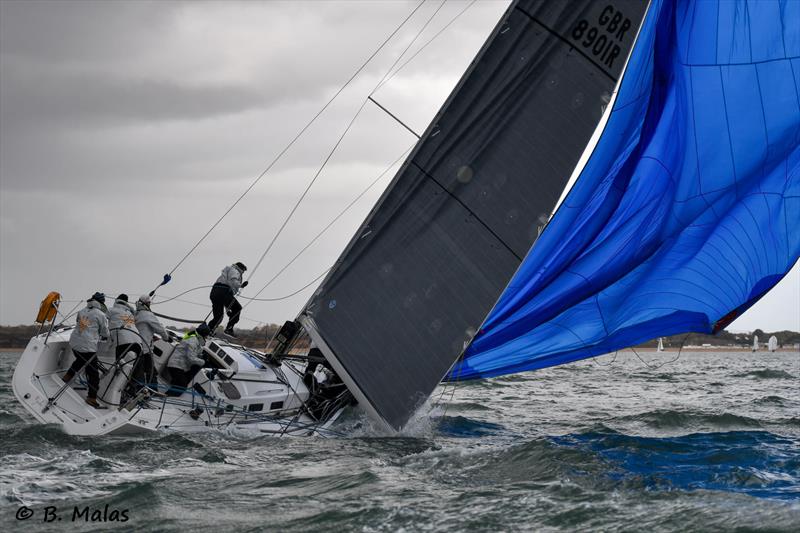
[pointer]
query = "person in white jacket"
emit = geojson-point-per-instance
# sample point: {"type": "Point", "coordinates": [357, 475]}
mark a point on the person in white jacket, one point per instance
{"type": "Point", "coordinates": [91, 326]}
{"type": "Point", "coordinates": [223, 295]}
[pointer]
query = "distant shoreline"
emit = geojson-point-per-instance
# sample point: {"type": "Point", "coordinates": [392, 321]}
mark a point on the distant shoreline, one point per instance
{"type": "Point", "coordinates": [16, 338]}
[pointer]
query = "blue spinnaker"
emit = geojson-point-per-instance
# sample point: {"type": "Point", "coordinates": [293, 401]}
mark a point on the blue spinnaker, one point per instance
{"type": "Point", "coordinates": [688, 210]}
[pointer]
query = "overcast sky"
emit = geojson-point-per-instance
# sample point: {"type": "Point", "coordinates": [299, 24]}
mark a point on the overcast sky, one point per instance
{"type": "Point", "coordinates": [128, 128]}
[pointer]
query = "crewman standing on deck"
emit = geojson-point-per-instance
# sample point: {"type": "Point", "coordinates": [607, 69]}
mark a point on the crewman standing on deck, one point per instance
{"type": "Point", "coordinates": [91, 325]}
{"type": "Point", "coordinates": [121, 321]}
{"type": "Point", "coordinates": [223, 296]}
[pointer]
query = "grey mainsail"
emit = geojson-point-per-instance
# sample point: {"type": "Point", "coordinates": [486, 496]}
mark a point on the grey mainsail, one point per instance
{"type": "Point", "coordinates": [441, 244]}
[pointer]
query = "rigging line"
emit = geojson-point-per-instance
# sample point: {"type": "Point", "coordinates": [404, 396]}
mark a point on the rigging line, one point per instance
{"type": "Point", "coordinates": [331, 223]}
{"type": "Point", "coordinates": [656, 367]}
{"type": "Point", "coordinates": [301, 289]}
{"type": "Point", "coordinates": [297, 136]}
{"type": "Point", "coordinates": [407, 48]}
{"type": "Point", "coordinates": [305, 192]}
{"type": "Point", "coordinates": [181, 294]}
{"type": "Point", "coordinates": [410, 59]}
{"type": "Point", "coordinates": [338, 142]}
{"type": "Point", "coordinates": [414, 133]}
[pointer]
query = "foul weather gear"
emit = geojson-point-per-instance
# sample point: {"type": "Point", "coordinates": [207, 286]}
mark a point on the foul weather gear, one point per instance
{"type": "Point", "coordinates": [91, 325]}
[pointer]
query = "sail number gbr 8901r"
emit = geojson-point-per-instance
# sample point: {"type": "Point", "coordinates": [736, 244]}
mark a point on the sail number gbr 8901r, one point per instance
{"type": "Point", "coordinates": [600, 39]}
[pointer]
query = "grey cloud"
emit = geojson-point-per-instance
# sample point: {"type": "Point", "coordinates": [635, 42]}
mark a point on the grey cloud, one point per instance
{"type": "Point", "coordinates": [127, 128]}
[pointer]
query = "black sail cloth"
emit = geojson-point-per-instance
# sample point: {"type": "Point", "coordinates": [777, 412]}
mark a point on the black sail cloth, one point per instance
{"type": "Point", "coordinates": [435, 253]}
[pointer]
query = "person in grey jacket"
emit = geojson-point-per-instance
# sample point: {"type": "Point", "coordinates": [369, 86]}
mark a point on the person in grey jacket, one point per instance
{"type": "Point", "coordinates": [187, 359]}
{"type": "Point", "coordinates": [147, 323]}
{"type": "Point", "coordinates": [91, 326]}
{"type": "Point", "coordinates": [223, 295]}
{"type": "Point", "coordinates": [143, 371]}
{"type": "Point", "coordinates": [122, 324]}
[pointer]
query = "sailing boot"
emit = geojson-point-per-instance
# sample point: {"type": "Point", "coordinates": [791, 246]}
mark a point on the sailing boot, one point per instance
{"type": "Point", "coordinates": [94, 403]}
{"type": "Point", "coordinates": [229, 332]}
{"type": "Point", "coordinates": [66, 378]}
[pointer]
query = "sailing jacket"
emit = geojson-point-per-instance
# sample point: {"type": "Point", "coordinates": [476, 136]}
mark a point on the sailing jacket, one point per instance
{"type": "Point", "coordinates": [231, 277]}
{"type": "Point", "coordinates": [187, 353]}
{"type": "Point", "coordinates": [123, 324]}
{"type": "Point", "coordinates": [90, 325]}
{"type": "Point", "coordinates": [148, 324]}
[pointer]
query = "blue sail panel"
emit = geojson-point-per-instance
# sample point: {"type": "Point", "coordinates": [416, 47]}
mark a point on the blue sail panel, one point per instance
{"type": "Point", "coordinates": [688, 210]}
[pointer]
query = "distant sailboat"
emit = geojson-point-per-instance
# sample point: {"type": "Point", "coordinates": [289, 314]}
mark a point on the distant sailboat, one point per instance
{"type": "Point", "coordinates": [660, 344]}
{"type": "Point", "coordinates": [772, 345]}
{"type": "Point", "coordinates": [755, 343]}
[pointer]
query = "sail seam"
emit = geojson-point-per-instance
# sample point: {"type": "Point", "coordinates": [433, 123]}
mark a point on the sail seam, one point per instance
{"type": "Point", "coordinates": [470, 211]}
{"type": "Point", "coordinates": [566, 41]}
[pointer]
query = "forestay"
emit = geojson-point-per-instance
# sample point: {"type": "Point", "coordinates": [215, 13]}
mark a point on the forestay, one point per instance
{"type": "Point", "coordinates": [687, 211]}
{"type": "Point", "coordinates": [434, 255]}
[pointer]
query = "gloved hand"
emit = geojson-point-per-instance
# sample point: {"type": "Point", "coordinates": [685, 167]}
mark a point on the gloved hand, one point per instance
{"type": "Point", "coordinates": [245, 284]}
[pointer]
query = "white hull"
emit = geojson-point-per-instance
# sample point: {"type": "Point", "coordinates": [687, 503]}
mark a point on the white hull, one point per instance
{"type": "Point", "coordinates": [242, 392]}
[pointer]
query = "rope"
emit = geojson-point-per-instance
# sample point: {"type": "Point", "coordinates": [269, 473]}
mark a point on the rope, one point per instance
{"type": "Point", "coordinates": [326, 228]}
{"type": "Point", "coordinates": [296, 137]}
{"type": "Point", "coordinates": [183, 320]}
{"type": "Point", "coordinates": [305, 192]}
{"type": "Point", "coordinates": [656, 367]}
{"type": "Point", "coordinates": [336, 146]}
{"type": "Point", "coordinates": [301, 289]}
{"type": "Point", "coordinates": [410, 59]}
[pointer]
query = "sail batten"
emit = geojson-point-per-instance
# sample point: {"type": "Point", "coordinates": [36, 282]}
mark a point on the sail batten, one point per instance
{"type": "Point", "coordinates": [430, 261]}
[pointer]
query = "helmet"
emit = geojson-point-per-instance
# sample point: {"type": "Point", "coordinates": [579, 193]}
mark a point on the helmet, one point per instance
{"type": "Point", "coordinates": [143, 301]}
{"type": "Point", "coordinates": [98, 297]}
{"type": "Point", "coordinates": [240, 266]}
{"type": "Point", "coordinates": [203, 330]}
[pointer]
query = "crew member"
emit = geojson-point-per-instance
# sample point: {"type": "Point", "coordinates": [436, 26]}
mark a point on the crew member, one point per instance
{"type": "Point", "coordinates": [187, 359]}
{"type": "Point", "coordinates": [223, 295]}
{"type": "Point", "coordinates": [147, 323]}
{"type": "Point", "coordinates": [91, 326]}
{"type": "Point", "coordinates": [122, 324]}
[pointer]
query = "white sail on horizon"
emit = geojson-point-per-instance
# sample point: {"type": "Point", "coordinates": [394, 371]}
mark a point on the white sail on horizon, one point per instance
{"type": "Point", "coordinates": [772, 344]}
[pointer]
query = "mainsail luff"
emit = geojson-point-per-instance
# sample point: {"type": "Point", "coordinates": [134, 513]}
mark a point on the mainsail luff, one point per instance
{"type": "Point", "coordinates": [441, 244]}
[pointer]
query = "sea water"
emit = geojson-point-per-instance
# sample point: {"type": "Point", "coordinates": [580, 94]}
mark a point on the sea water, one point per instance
{"type": "Point", "coordinates": [710, 441]}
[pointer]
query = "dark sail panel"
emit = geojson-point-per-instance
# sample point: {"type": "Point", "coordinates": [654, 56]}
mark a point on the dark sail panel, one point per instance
{"type": "Point", "coordinates": [442, 243]}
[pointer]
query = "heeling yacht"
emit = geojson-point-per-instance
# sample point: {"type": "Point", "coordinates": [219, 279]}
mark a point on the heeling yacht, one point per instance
{"type": "Point", "coordinates": [555, 209]}
{"type": "Point", "coordinates": [238, 388]}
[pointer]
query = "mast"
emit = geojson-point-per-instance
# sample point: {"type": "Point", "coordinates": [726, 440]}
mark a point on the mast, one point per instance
{"type": "Point", "coordinates": [431, 259]}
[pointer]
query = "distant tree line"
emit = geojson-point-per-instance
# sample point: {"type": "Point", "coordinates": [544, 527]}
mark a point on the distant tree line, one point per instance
{"type": "Point", "coordinates": [17, 337]}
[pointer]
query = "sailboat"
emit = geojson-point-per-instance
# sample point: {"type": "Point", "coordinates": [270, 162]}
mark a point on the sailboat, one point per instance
{"type": "Point", "coordinates": [603, 174]}
{"type": "Point", "coordinates": [755, 343]}
{"type": "Point", "coordinates": [660, 344]}
{"type": "Point", "coordinates": [772, 344]}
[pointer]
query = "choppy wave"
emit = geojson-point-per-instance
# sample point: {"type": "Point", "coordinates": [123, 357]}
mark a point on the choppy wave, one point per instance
{"type": "Point", "coordinates": [765, 374]}
{"type": "Point", "coordinates": [672, 419]}
{"type": "Point", "coordinates": [711, 443]}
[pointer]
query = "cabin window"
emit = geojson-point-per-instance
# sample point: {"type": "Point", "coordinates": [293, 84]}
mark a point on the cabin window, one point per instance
{"type": "Point", "coordinates": [255, 407]}
{"type": "Point", "coordinates": [275, 405]}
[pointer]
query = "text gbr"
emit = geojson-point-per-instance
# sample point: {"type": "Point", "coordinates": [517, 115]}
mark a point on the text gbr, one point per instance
{"type": "Point", "coordinates": [599, 38]}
